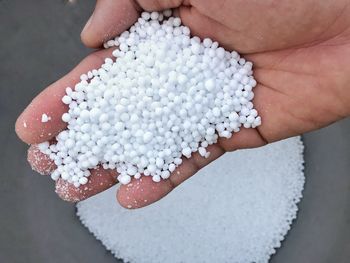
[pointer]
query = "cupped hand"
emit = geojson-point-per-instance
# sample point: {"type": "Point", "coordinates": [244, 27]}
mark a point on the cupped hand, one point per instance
{"type": "Point", "coordinates": [301, 56]}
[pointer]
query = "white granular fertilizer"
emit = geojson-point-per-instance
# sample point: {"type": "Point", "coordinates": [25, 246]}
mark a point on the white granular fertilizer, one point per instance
{"type": "Point", "coordinates": [166, 96]}
{"type": "Point", "coordinates": [231, 211]}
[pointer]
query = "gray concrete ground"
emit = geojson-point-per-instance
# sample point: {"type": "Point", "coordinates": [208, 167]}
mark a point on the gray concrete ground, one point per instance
{"type": "Point", "coordinates": [39, 42]}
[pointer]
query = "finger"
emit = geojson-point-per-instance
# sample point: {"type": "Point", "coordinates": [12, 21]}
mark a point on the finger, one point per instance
{"type": "Point", "coordinates": [145, 191]}
{"type": "Point", "coordinates": [40, 162]}
{"type": "Point", "coordinates": [159, 5]}
{"type": "Point", "coordinates": [142, 192]}
{"type": "Point", "coordinates": [29, 125]}
{"type": "Point", "coordinates": [109, 19]}
{"type": "Point", "coordinates": [99, 181]}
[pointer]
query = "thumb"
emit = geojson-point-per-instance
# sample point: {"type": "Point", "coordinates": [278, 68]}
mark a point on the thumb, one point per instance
{"type": "Point", "coordinates": [110, 18]}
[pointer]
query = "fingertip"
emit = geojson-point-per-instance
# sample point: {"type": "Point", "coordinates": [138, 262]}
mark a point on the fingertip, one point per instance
{"type": "Point", "coordinates": [99, 181]}
{"type": "Point", "coordinates": [39, 161]}
{"type": "Point", "coordinates": [109, 19]}
{"type": "Point", "coordinates": [23, 129]}
{"type": "Point", "coordinates": [20, 129]}
{"type": "Point", "coordinates": [142, 192]}
{"type": "Point", "coordinates": [68, 192]}
{"type": "Point", "coordinates": [90, 38]}
{"type": "Point", "coordinates": [31, 128]}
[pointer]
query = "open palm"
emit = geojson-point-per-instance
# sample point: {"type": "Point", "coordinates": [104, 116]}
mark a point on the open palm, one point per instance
{"type": "Point", "coordinates": [301, 56]}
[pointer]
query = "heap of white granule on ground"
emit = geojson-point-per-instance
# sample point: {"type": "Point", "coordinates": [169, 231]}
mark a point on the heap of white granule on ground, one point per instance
{"type": "Point", "coordinates": [166, 96]}
{"type": "Point", "coordinates": [241, 216]}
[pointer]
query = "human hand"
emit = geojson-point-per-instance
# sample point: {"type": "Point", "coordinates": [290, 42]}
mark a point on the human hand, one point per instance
{"type": "Point", "coordinates": [301, 53]}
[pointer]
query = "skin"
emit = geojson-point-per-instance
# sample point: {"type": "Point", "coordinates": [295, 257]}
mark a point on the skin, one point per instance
{"type": "Point", "coordinates": [301, 56]}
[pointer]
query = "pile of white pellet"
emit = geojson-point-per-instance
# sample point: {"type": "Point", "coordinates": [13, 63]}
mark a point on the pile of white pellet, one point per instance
{"type": "Point", "coordinates": [241, 216]}
{"type": "Point", "coordinates": [167, 95]}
